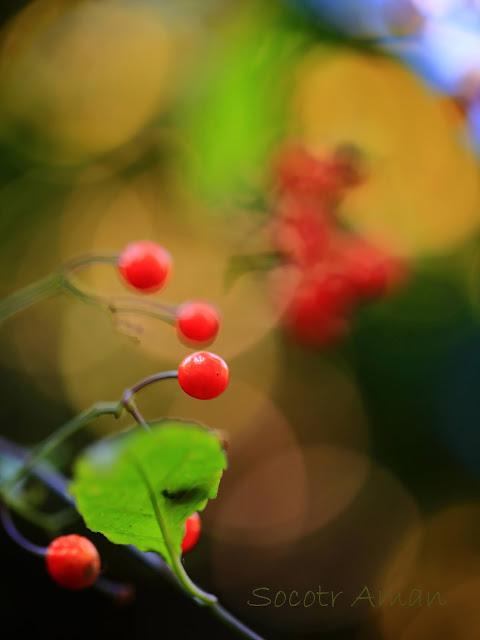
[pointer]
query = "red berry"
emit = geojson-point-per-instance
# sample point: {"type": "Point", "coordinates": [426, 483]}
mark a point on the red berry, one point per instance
{"type": "Point", "coordinates": [145, 266]}
{"type": "Point", "coordinates": [318, 305]}
{"type": "Point", "coordinates": [373, 272]}
{"type": "Point", "coordinates": [301, 231]}
{"type": "Point", "coordinates": [193, 528]}
{"type": "Point", "coordinates": [197, 323]}
{"type": "Point", "coordinates": [203, 375]}
{"type": "Point", "coordinates": [73, 561]}
{"type": "Point", "coordinates": [299, 172]}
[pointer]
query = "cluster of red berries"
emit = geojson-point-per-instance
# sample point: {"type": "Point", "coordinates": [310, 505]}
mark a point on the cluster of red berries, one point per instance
{"type": "Point", "coordinates": [327, 271]}
{"type": "Point", "coordinates": [73, 561]}
{"type": "Point", "coordinates": [146, 267]}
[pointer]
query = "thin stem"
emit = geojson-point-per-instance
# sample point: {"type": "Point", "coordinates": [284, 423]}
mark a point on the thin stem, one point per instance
{"type": "Point", "coordinates": [63, 280]}
{"type": "Point", "coordinates": [164, 375]}
{"type": "Point", "coordinates": [26, 297]}
{"type": "Point", "coordinates": [75, 424]}
{"type": "Point", "coordinates": [120, 591]}
{"type": "Point", "coordinates": [49, 521]}
{"type": "Point", "coordinates": [130, 406]}
{"type": "Point", "coordinates": [202, 596]}
{"type": "Point", "coordinates": [59, 436]}
{"type": "Point", "coordinates": [16, 535]}
{"type": "Point", "coordinates": [233, 623]}
{"type": "Point", "coordinates": [87, 259]}
{"type": "Point", "coordinates": [128, 401]}
{"type": "Point", "coordinates": [120, 304]}
{"type": "Point", "coordinates": [117, 304]}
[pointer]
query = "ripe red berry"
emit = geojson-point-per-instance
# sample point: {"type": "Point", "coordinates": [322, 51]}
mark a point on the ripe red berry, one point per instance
{"type": "Point", "coordinates": [193, 528]}
{"type": "Point", "coordinates": [203, 375]}
{"type": "Point", "coordinates": [197, 323]}
{"type": "Point", "coordinates": [145, 266]}
{"type": "Point", "coordinates": [317, 304]}
{"type": "Point", "coordinates": [301, 230]}
{"type": "Point", "coordinates": [73, 561]}
{"type": "Point", "coordinates": [299, 172]}
{"type": "Point", "coordinates": [372, 271]}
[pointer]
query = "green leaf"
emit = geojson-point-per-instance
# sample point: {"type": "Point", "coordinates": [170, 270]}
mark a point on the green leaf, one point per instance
{"type": "Point", "coordinates": [120, 482]}
{"type": "Point", "coordinates": [237, 114]}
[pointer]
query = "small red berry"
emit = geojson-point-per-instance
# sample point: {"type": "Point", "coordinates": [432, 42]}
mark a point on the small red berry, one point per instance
{"type": "Point", "coordinates": [299, 172]}
{"type": "Point", "coordinates": [73, 561]}
{"type": "Point", "coordinates": [318, 311]}
{"type": "Point", "coordinates": [193, 528]}
{"type": "Point", "coordinates": [301, 231]}
{"type": "Point", "coordinates": [203, 375]}
{"type": "Point", "coordinates": [372, 271]}
{"type": "Point", "coordinates": [145, 266]}
{"type": "Point", "coordinates": [197, 323]}
{"type": "Point", "coordinates": [315, 304]}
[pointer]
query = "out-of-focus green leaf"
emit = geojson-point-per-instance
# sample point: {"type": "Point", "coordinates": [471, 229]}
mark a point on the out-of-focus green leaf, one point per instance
{"type": "Point", "coordinates": [238, 113]}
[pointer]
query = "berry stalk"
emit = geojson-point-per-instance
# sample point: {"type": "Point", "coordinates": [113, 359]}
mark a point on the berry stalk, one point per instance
{"type": "Point", "coordinates": [59, 436]}
{"type": "Point", "coordinates": [30, 295]}
{"type": "Point", "coordinates": [64, 281]}
{"type": "Point", "coordinates": [198, 594]}
{"type": "Point", "coordinates": [12, 531]}
{"type": "Point", "coordinates": [44, 449]}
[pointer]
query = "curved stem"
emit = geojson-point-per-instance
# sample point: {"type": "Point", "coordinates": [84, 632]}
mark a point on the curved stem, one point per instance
{"type": "Point", "coordinates": [80, 420]}
{"type": "Point", "coordinates": [164, 375]}
{"type": "Point", "coordinates": [63, 280]}
{"type": "Point", "coordinates": [26, 297]}
{"type": "Point", "coordinates": [16, 535]}
{"type": "Point", "coordinates": [59, 436]}
{"type": "Point", "coordinates": [116, 304]}
{"type": "Point", "coordinates": [52, 522]}
{"type": "Point", "coordinates": [86, 260]}
{"type": "Point", "coordinates": [128, 401]}
{"type": "Point", "coordinates": [201, 596]}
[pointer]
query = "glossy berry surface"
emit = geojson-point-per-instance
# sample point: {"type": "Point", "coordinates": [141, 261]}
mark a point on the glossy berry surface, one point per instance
{"type": "Point", "coordinates": [73, 562]}
{"type": "Point", "coordinates": [145, 266]}
{"type": "Point", "coordinates": [193, 528]}
{"type": "Point", "coordinates": [203, 375]}
{"type": "Point", "coordinates": [197, 323]}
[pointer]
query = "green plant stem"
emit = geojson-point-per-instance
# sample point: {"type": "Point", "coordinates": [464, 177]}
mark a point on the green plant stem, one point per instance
{"type": "Point", "coordinates": [26, 297]}
{"type": "Point", "coordinates": [201, 596]}
{"type": "Point", "coordinates": [59, 436]}
{"type": "Point", "coordinates": [64, 281]}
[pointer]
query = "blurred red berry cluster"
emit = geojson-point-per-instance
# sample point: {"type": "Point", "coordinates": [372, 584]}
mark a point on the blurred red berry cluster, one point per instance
{"type": "Point", "coordinates": [327, 270]}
